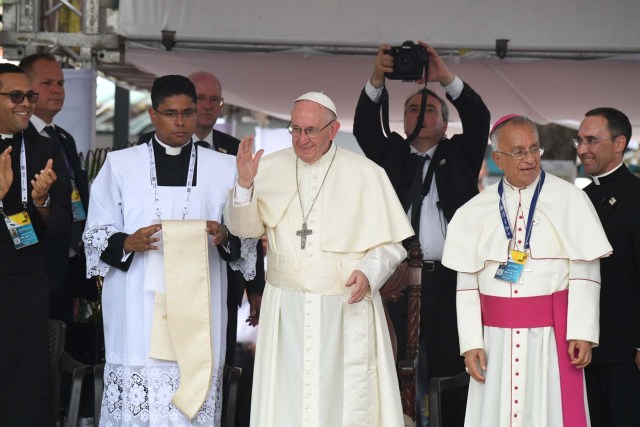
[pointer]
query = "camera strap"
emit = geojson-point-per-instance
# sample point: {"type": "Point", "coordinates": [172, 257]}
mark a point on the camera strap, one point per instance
{"type": "Point", "coordinates": [384, 103]}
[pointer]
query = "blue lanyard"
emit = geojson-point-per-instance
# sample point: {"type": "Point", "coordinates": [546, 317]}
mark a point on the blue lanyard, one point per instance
{"type": "Point", "coordinates": [534, 202]}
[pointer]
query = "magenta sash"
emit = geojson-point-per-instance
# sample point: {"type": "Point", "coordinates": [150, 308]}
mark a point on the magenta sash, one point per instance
{"type": "Point", "coordinates": [538, 312]}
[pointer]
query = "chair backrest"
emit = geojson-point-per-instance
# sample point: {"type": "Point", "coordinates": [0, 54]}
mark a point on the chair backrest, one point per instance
{"type": "Point", "coordinates": [57, 330]}
{"type": "Point", "coordinates": [60, 362]}
{"type": "Point", "coordinates": [231, 380]}
{"type": "Point", "coordinates": [406, 279]}
{"type": "Point", "coordinates": [436, 387]}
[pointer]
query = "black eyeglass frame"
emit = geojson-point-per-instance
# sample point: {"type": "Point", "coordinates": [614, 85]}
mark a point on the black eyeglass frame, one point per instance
{"type": "Point", "coordinates": [189, 113]}
{"type": "Point", "coordinates": [17, 96]}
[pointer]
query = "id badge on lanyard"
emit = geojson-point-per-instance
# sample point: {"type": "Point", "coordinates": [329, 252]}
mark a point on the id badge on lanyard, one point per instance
{"type": "Point", "coordinates": [513, 268]}
{"type": "Point", "coordinates": [511, 271]}
{"type": "Point", "coordinates": [76, 204]}
{"type": "Point", "coordinates": [21, 230]}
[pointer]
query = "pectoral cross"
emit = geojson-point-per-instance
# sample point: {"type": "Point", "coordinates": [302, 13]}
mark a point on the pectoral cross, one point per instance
{"type": "Point", "coordinates": [303, 235]}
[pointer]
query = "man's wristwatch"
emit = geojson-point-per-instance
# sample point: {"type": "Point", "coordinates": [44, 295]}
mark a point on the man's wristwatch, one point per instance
{"type": "Point", "coordinates": [45, 204]}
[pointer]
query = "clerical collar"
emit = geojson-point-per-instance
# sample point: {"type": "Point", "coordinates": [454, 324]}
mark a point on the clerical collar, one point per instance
{"type": "Point", "coordinates": [602, 179]}
{"type": "Point", "coordinates": [6, 136]}
{"type": "Point", "coordinates": [39, 124]}
{"type": "Point", "coordinates": [171, 151]}
{"type": "Point", "coordinates": [532, 185]}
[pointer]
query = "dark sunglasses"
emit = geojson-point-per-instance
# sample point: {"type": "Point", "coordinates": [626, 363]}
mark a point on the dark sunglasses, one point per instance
{"type": "Point", "coordinates": [17, 97]}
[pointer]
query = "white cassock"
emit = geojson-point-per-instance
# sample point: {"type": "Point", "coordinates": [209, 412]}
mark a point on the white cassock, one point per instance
{"type": "Point", "coordinates": [139, 389]}
{"type": "Point", "coordinates": [321, 361]}
{"type": "Point", "coordinates": [524, 366]}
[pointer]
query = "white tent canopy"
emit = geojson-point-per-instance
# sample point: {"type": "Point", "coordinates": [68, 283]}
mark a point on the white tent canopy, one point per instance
{"type": "Point", "coordinates": [585, 25]}
{"type": "Point", "coordinates": [547, 88]}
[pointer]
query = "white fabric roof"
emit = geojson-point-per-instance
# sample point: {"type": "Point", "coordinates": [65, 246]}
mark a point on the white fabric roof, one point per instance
{"type": "Point", "coordinates": [547, 90]}
{"type": "Point", "coordinates": [541, 24]}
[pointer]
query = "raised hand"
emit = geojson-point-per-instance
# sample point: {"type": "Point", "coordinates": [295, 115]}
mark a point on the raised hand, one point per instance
{"type": "Point", "coordinates": [141, 240]}
{"type": "Point", "coordinates": [6, 173]}
{"type": "Point", "coordinates": [438, 70]}
{"type": "Point", "coordinates": [247, 163]}
{"type": "Point", "coordinates": [383, 64]}
{"type": "Point", "coordinates": [42, 183]}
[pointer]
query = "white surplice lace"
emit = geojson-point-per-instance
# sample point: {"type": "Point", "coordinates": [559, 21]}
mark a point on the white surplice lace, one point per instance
{"type": "Point", "coordinates": [136, 396]}
{"type": "Point", "coordinates": [96, 241]}
{"type": "Point", "coordinates": [246, 264]}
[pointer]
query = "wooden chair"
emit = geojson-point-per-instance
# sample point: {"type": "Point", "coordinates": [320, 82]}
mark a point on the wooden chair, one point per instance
{"type": "Point", "coordinates": [407, 278]}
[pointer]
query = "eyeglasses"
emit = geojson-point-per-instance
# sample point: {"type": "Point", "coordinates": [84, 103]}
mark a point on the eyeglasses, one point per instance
{"type": "Point", "coordinates": [17, 97]}
{"type": "Point", "coordinates": [172, 114]}
{"type": "Point", "coordinates": [214, 100]}
{"type": "Point", "coordinates": [521, 154]}
{"type": "Point", "coordinates": [310, 132]}
{"type": "Point", "coordinates": [590, 140]}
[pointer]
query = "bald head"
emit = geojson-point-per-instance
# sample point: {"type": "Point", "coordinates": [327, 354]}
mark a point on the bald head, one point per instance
{"type": "Point", "coordinates": [210, 101]}
{"type": "Point", "coordinates": [205, 78]}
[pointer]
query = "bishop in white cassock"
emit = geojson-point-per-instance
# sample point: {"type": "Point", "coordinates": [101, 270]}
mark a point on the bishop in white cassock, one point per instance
{"type": "Point", "coordinates": [334, 226]}
{"type": "Point", "coordinates": [527, 253]}
{"type": "Point", "coordinates": [159, 372]}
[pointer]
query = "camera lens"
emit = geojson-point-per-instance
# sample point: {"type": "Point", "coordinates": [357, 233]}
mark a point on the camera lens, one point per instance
{"type": "Point", "coordinates": [403, 62]}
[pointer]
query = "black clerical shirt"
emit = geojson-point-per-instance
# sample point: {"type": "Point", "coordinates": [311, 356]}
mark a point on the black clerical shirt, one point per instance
{"type": "Point", "coordinates": [30, 259]}
{"type": "Point", "coordinates": [171, 171]}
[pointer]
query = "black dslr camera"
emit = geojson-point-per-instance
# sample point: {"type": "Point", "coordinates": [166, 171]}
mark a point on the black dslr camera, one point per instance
{"type": "Point", "coordinates": [410, 62]}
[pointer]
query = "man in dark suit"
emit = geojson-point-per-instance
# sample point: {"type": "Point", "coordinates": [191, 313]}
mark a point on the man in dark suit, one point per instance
{"type": "Point", "coordinates": [433, 176]}
{"type": "Point", "coordinates": [613, 378]}
{"type": "Point", "coordinates": [34, 203]}
{"type": "Point", "coordinates": [210, 102]}
{"type": "Point", "coordinates": [47, 79]}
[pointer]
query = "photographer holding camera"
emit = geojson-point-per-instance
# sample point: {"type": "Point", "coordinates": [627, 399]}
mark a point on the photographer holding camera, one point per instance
{"type": "Point", "coordinates": [433, 176]}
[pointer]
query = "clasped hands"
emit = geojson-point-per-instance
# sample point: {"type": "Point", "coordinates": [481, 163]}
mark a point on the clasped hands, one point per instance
{"type": "Point", "coordinates": [143, 240]}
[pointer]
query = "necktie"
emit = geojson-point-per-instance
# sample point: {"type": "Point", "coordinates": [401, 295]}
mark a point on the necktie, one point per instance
{"type": "Point", "coordinates": [203, 143]}
{"type": "Point", "coordinates": [418, 185]}
{"type": "Point", "coordinates": [50, 130]}
{"type": "Point", "coordinates": [53, 134]}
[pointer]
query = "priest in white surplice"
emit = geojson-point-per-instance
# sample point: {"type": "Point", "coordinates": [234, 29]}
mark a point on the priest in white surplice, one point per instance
{"type": "Point", "coordinates": [334, 225]}
{"type": "Point", "coordinates": [527, 253]}
{"type": "Point", "coordinates": [159, 371]}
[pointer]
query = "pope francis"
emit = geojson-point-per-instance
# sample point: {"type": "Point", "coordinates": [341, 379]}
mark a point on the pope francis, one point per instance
{"type": "Point", "coordinates": [334, 226]}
